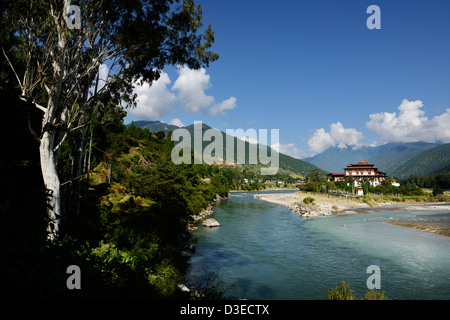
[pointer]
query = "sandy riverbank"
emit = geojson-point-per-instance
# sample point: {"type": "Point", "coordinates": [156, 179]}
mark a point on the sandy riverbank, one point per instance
{"type": "Point", "coordinates": [325, 205]}
{"type": "Point", "coordinates": [340, 205]}
{"type": "Point", "coordinates": [438, 227]}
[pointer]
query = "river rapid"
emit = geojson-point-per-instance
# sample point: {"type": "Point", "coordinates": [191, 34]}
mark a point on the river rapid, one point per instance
{"type": "Point", "coordinates": [263, 251]}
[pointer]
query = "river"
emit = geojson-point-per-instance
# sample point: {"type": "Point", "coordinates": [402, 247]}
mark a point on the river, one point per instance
{"type": "Point", "coordinates": [264, 251]}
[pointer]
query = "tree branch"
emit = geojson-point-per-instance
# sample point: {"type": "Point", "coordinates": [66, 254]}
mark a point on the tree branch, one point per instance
{"type": "Point", "coordinates": [37, 105]}
{"type": "Point", "coordinates": [14, 70]}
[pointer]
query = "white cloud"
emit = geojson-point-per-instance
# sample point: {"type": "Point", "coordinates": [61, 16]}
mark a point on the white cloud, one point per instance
{"type": "Point", "coordinates": [337, 137]}
{"type": "Point", "coordinates": [410, 125]}
{"type": "Point", "coordinates": [158, 99]}
{"type": "Point", "coordinates": [224, 105]}
{"type": "Point", "coordinates": [155, 100]}
{"type": "Point", "coordinates": [176, 122]}
{"type": "Point", "coordinates": [320, 141]}
{"type": "Point", "coordinates": [191, 86]}
{"type": "Point", "coordinates": [345, 137]}
{"type": "Point", "coordinates": [290, 149]}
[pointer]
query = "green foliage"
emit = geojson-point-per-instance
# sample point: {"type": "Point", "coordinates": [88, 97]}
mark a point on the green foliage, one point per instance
{"type": "Point", "coordinates": [287, 164]}
{"type": "Point", "coordinates": [123, 238]}
{"type": "Point", "coordinates": [386, 188]}
{"type": "Point", "coordinates": [317, 182]}
{"type": "Point", "coordinates": [316, 175]}
{"type": "Point", "coordinates": [308, 200]}
{"type": "Point", "coordinates": [430, 162]}
{"type": "Point", "coordinates": [375, 295]}
{"type": "Point", "coordinates": [343, 292]}
{"type": "Point", "coordinates": [437, 191]}
{"type": "Point", "coordinates": [441, 180]}
{"type": "Point", "coordinates": [310, 186]}
{"type": "Point", "coordinates": [126, 238]}
{"type": "Point", "coordinates": [365, 184]}
{"type": "Point", "coordinates": [165, 279]}
{"type": "Point", "coordinates": [146, 207]}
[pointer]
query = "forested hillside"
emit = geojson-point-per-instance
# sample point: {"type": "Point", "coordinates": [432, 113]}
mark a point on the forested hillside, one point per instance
{"type": "Point", "coordinates": [430, 162]}
{"type": "Point", "coordinates": [78, 187]}
{"type": "Point", "coordinates": [396, 159]}
{"type": "Point", "coordinates": [287, 164]}
{"type": "Point", "coordinates": [126, 238]}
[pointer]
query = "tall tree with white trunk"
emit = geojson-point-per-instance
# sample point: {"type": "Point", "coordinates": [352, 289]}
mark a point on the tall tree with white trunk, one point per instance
{"type": "Point", "coordinates": [65, 43]}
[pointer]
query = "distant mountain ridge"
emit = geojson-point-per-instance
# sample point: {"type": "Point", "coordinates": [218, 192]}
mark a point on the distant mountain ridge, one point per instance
{"type": "Point", "coordinates": [155, 126]}
{"type": "Point", "coordinates": [430, 162]}
{"type": "Point", "coordinates": [335, 159]}
{"type": "Point", "coordinates": [397, 159]}
{"type": "Point", "coordinates": [286, 163]}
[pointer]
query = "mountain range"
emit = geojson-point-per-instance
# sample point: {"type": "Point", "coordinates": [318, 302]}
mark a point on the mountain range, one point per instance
{"type": "Point", "coordinates": [287, 163]}
{"type": "Point", "coordinates": [155, 126]}
{"type": "Point", "coordinates": [399, 160]}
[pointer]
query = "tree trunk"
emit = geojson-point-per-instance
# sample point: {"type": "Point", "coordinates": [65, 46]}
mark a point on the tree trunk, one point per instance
{"type": "Point", "coordinates": [49, 159]}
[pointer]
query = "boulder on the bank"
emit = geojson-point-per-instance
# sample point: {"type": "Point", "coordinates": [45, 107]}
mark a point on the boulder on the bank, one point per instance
{"type": "Point", "coordinates": [210, 222]}
{"type": "Point", "coordinates": [311, 211]}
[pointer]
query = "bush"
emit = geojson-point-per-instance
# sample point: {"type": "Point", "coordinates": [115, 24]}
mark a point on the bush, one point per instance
{"type": "Point", "coordinates": [341, 292]}
{"type": "Point", "coordinates": [437, 190]}
{"type": "Point", "coordinates": [308, 200]}
{"type": "Point", "coordinates": [117, 188]}
{"type": "Point", "coordinates": [165, 279]}
{"type": "Point", "coordinates": [310, 186]}
{"type": "Point", "coordinates": [369, 201]}
{"type": "Point", "coordinates": [375, 295]}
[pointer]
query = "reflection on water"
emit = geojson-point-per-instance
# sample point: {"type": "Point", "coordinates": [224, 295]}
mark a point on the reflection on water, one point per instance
{"type": "Point", "coordinates": [264, 251]}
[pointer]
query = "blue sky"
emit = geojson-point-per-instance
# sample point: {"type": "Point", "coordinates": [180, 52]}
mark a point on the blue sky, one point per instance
{"type": "Point", "coordinates": [313, 70]}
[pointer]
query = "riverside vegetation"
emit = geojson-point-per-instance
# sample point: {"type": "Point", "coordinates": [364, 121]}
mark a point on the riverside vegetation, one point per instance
{"type": "Point", "coordinates": [410, 190]}
{"type": "Point", "coordinates": [128, 236]}
{"type": "Point", "coordinates": [342, 291]}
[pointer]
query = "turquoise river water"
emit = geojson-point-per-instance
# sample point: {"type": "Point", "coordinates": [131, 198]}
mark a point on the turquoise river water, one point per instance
{"type": "Point", "coordinates": [264, 251]}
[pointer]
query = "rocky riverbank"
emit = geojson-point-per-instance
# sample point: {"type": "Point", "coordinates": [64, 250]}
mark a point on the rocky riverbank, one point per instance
{"type": "Point", "coordinates": [185, 237]}
{"type": "Point", "coordinates": [205, 214]}
{"type": "Point", "coordinates": [322, 205]}
{"type": "Point", "coordinates": [189, 247]}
